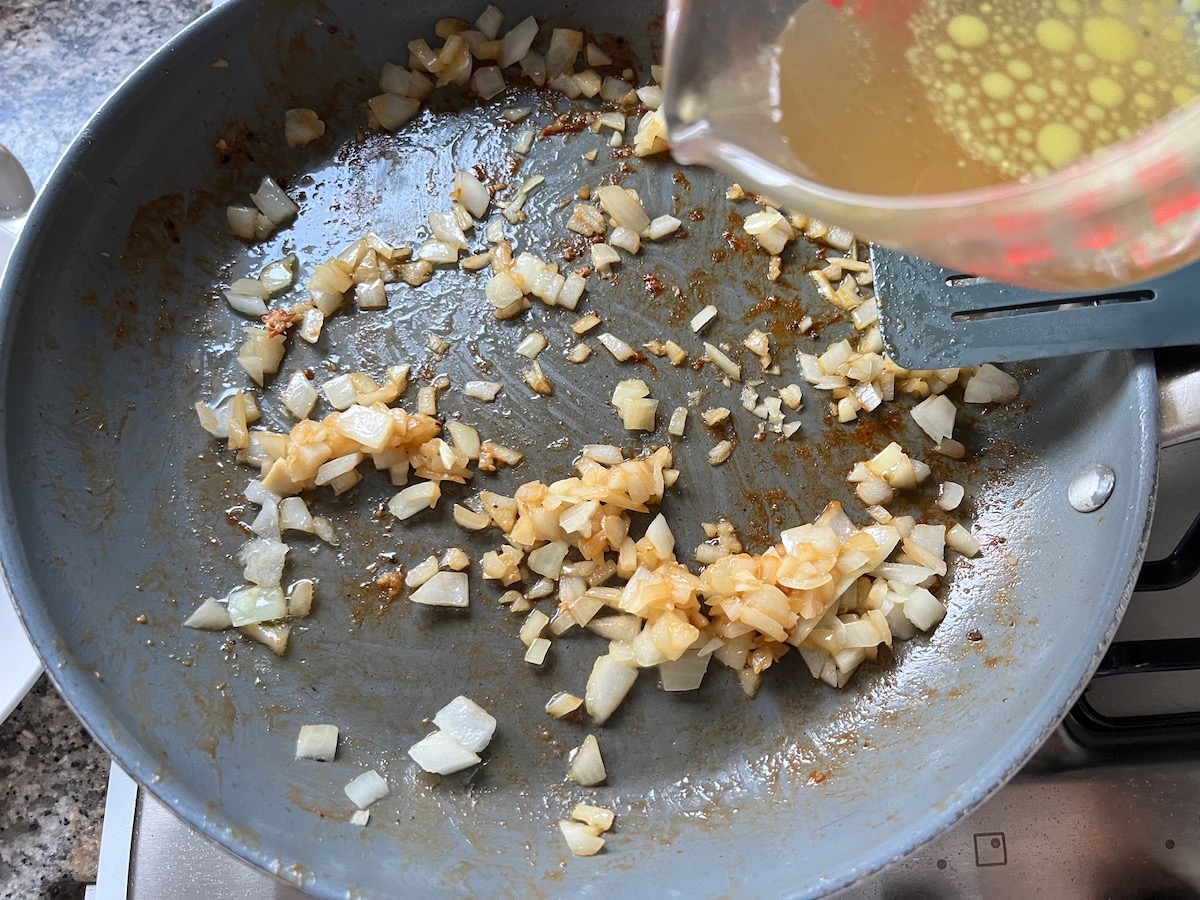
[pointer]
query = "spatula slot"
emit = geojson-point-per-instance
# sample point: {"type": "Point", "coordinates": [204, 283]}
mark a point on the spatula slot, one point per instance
{"type": "Point", "coordinates": [1055, 304]}
{"type": "Point", "coordinates": [956, 281]}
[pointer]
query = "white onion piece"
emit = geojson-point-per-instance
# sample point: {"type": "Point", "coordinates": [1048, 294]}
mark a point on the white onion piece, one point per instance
{"type": "Point", "coordinates": [989, 385]}
{"type": "Point", "coordinates": [242, 221]}
{"type": "Point", "coordinates": [299, 396]}
{"type": "Point", "coordinates": [278, 275]}
{"type": "Point", "coordinates": [329, 472]}
{"type": "Point", "coordinates": [392, 110]}
{"type": "Point", "coordinates": [533, 626]}
{"type": "Point", "coordinates": [685, 673]}
{"type": "Point", "coordinates": [395, 79]}
{"type": "Point", "coordinates": [723, 362]}
{"type": "Point", "coordinates": [659, 534]}
{"type": "Point", "coordinates": [650, 96]}
{"type": "Point", "coordinates": [533, 344]}
{"type": "Point", "coordinates": [301, 127]}
{"type": "Point", "coordinates": [489, 22]}
{"type": "Point", "coordinates": [444, 589]}
{"type": "Point", "coordinates": [317, 742]}
{"type": "Point", "coordinates": [266, 523]}
{"type": "Point", "coordinates": [623, 208]}
{"type": "Point", "coordinates": [467, 722]}
{"type": "Point", "coordinates": [263, 561]}
{"type": "Point", "coordinates": [597, 817]}
{"type": "Point", "coordinates": [517, 42]}
{"type": "Point", "coordinates": [360, 817]}
{"type": "Point", "coordinates": [565, 45]}
{"type": "Point", "coordinates": [607, 686]}
{"type": "Point", "coordinates": [366, 789]}
{"type": "Point", "coordinates": [538, 649]}
{"type": "Point", "coordinates": [961, 540]}
{"type": "Point", "coordinates": [923, 609]}
{"type": "Point", "coordinates": [340, 392]}
{"type": "Point", "coordinates": [324, 529]}
{"type": "Point", "coordinates": [250, 605]}
{"type": "Point", "coordinates": [935, 415]}
{"type": "Point", "coordinates": [701, 319]}
{"type": "Point", "coordinates": [300, 598]}
{"type": "Point", "coordinates": [211, 615]}
{"type": "Point", "coordinates": [422, 572]}
{"type": "Point", "coordinates": [442, 754]}
{"type": "Point", "coordinates": [410, 501]}
{"type": "Point", "coordinates": [581, 839]}
{"type": "Point", "coordinates": [482, 390]}
{"type": "Point", "coordinates": [272, 636]}
{"type": "Point", "coordinates": [548, 559]}
{"type": "Point", "coordinates": [273, 202]}
{"type": "Point", "coordinates": [619, 627]}
{"type": "Point", "coordinates": [471, 193]}
{"type": "Point", "coordinates": [563, 704]}
{"type": "Point", "coordinates": [950, 495]}
{"type": "Point", "coordinates": [587, 766]}
{"type": "Point", "coordinates": [661, 226]}
{"type": "Point", "coordinates": [246, 304]}
{"type": "Point", "coordinates": [621, 350]}
{"type": "Point", "coordinates": [487, 82]}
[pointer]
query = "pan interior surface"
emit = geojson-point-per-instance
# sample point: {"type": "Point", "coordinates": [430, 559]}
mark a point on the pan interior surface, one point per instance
{"type": "Point", "coordinates": [118, 506]}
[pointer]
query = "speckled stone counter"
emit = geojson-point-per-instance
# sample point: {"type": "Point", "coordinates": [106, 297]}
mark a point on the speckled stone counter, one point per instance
{"type": "Point", "coordinates": [59, 59]}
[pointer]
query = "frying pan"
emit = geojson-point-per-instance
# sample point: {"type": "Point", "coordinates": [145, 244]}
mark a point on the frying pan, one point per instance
{"type": "Point", "coordinates": [116, 506]}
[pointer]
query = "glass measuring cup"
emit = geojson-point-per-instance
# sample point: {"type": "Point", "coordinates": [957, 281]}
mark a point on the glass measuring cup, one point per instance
{"type": "Point", "coordinates": [1125, 214]}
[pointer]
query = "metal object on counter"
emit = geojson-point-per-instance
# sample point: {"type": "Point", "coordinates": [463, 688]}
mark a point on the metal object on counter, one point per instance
{"type": "Point", "coordinates": [105, 463]}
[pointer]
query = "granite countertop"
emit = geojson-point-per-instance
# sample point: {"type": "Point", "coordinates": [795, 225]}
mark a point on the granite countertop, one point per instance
{"type": "Point", "coordinates": [58, 61]}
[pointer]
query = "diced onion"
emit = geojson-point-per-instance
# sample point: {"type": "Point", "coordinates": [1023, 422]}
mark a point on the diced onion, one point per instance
{"type": "Point", "coordinates": [950, 495]}
{"type": "Point", "coordinates": [410, 501]}
{"type": "Point", "coordinates": [467, 722]}
{"type": "Point", "coordinates": [607, 686]}
{"type": "Point", "coordinates": [683, 674]}
{"type": "Point", "coordinates": [263, 561]}
{"type": "Point", "coordinates": [441, 754]}
{"type": "Point", "coordinates": [538, 649]}
{"type": "Point", "coordinates": [563, 704]}
{"type": "Point", "coordinates": [273, 202]}
{"type": "Point", "coordinates": [623, 208]}
{"type": "Point", "coordinates": [211, 615]}
{"type": "Point", "coordinates": [393, 110]}
{"type": "Point", "coordinates": [620, 349]}
{"type": "Point", "coordinates": [317, 742]}
{"type": "Point", "coordinates": [961, 540]}
{"type": "Point", "coordinates": [935, 415]}
{"type": "Point", "coordinates": [250, 605]}
{"type": "Point", "coordinates": [533, 344]}
{"type": "Point", "coordinates": [471, 193]}
{"type": "Point", "coordinates": [587, 766]}
{"type": "Point", "coordinates": [444, 589]}
{"type": "Point", "coordinates": [581, 839]}
{"type": "Point", "coordinates": [723, 362]}
{"type": "Point", "coordinates": [518, 41]}
{"type": "Point", "coordinates": [300, 598]}
{"type": "Point", "coordinates": [597, 817]}
{"type": "Point", "coordinates": [366, 789]}
{"type": "Point", "coordinates": [301, 127]}
{"type": "Point", "coordinates": [701, 319]}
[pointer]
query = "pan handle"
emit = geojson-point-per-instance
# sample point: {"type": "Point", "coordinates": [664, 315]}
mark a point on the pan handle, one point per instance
{"type": "Point", "coordinates": [1179, 396]}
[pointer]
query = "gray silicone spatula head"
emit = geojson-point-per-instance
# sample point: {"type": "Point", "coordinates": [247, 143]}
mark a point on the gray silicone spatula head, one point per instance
{"type": "Point", "coordinates": [934, 318]}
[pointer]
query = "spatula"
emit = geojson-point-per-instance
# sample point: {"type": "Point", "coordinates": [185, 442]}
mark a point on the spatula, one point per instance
{"type": "Point", "coordinates": [934, 318]}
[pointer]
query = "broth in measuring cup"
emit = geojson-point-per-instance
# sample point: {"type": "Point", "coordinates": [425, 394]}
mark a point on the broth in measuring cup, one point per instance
{"type": "Point", "coordinates": [949, 95]}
